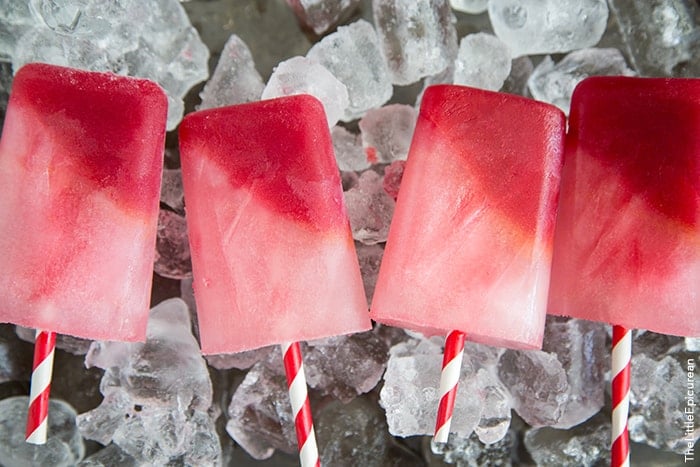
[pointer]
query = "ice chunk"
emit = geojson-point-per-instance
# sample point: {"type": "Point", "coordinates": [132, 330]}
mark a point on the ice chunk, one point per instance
{"type": "Point", "coordinates": [410, 394]}
{"type": "Point", "coordinates": [171, 192]}
{"type": "Point", "coordinates": [520, 70]}
{"type": "Point", "coordinates": [172, 257]}
{"type": "Point", "coordinates": [555, 83]}
{"type": "Point", "coordinates": [301, 75]}
{"type": "Point", "coordinates": [370, 257]}
{"type": "Point", "coordinates": [74, 345]}
{"type": "Point", "coordinates": [235, 79]}
{"type": "Point", "coordinates": [108, 457]}
{"type": "Point", "coordinates": [473, 7]}
{"type": "Point", "coordinates": [157, 394]}
{"type": "Point", "coordinates": [16, 18]}
{"type": "Point", "coordinates": [562, 385]}
{"type": "Point", "coordinates": [15, 356]}
{"type": "Point", "coordinates": [418, 38]}
{"type": "Point", "coordinates": [470, 451]}
{"type": "Point", "coordinates": [370, 209]}
{"type": "Point", "coordinates": [151, 39]}
{"type": "Point", "coordinates": [356, 434]}
{"type": "Point", "coordinates": [64, 446]}
{"type": "Point", "coordinates": [496, 414]}
{"type": "Point", "coordinates": [320, 15]}
{"type": "Point", "coordinates": [349, 152]}
{"type": "Point", "coordinates": [353, 55]}
{"type": "Point", "coordinates": [387, 132]}
{"type": "Point", "coordinates": [532, 27]}
{"type": "Point", "coordinates": [364, 356]}
{"type": "Point", "coordinates": [586, 444]}
{"type": "Point", "coordinates": [393, 173]}
{"type": "Point", "coordinates": [483, 61]}
{"type": "Point", "coordinates": [580, 347]}
{"type": "Point", "coordinates": [658, 402]}
{"type": "Point", "coordinates": [260, 415]}
{"type": "Point", "coordinates": [537, 382]}
{"type": "Point", "coordinates": [692, 344]}
{"type": "Point", "coordinates": [659, 34]}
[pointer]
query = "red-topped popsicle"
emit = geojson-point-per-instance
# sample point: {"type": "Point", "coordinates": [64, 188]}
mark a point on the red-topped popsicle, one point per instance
{"type": "Point", "coordinates": [272, 253]}
{"type": "Point", "coordinates": [80, 166]}
{"type": "Point", "coordinates": [470, 245]}
{"type": "Point", "coordinates": [627, 240]}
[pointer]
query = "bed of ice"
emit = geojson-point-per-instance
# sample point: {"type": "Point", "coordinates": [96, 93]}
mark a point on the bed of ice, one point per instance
{"type": "Point", "coordinates": [374, 395]}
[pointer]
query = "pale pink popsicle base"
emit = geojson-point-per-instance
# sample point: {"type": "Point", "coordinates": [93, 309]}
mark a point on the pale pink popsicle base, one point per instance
{"type": "Point", "coordinates": [98, 276]}
{"type": "Point", "coordinates": [289, 283]}
{"type": "Point", "coordinates": [633, 267]}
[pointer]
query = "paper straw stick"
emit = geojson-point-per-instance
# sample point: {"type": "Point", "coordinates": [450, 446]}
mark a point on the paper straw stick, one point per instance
{"type": "Point", "coordinates": [37, 415]}
{"type": "Point", "coordinates": [449, 379]}
{"type": "Point", "coordinates": [301, 408]}
{"type": "Point", "coordinates": [621, 356]}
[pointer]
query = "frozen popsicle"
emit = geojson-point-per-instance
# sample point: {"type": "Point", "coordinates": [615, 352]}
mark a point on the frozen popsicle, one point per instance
{"type": "Point", "coordinates": [80, 167]}
{"type": "Point", "coordinates": [627, 243]}
{"type": "Point", "coordinates": [627, 239]}
{"type": "Point", "coordinates": [470, 245]}
{"type": "Point", "coordinates": [272, 253]}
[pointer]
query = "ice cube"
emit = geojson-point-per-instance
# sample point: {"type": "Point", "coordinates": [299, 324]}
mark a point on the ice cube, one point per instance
{"type": "Point", "coordinates": [235, 79]}
{"type": "Point", "coordinates": [353, 55]}
{"type": "Point", "coordinates": [659, 34]}
{"type": "Point", "coordinates": [172, 258]}
{"type": "Point", "coordinates": [483, 61]}
{"type": "Point", "coordinates": [586, 444]}
{"type": "Point", "coordinates": [301, 75]}
{"type": "Point", "coordinates": [260, 415]}
{"type": "Point", "coordinates": [320, 15]}
{"type": "Point", "coordinates": [64, 446]}
{"type": "Point", "coordinates": [349, 153]}
{"type": "Point", "coordinates": [531, 27]}
{"type": "Point", "coordinates": [387, 132]}
{"type": "Point", "coordinates": [364, 356]}
{"type": "Point", "coordinates": [370, 209]}
{"type": "Point", "coordinates": [473, 7]}
{"type": "Point", "coordinates": [157, 394]}
{"type": "Point", "coordinates": [418, 38]}
{"type": "Point", "coordinates": [555, 83]}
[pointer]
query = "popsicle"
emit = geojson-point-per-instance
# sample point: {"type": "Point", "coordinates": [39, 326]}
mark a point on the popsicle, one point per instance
{"type": "Point", "coordinates": [80, 166]}
{"type": "Point", "coordinates": [627, 239]}
{"type": "Point", "coordinates": [272, 253]}
{"type": "Point", "coordinates": [470, 244]}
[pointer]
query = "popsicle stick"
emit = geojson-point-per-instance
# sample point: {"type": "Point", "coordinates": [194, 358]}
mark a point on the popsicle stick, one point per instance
{"type": "Point", "coordinates": [621, 356]}
{"type": "Point", "coordinates": [38, 412]}
{"type": "Point", "coordinates": [449, 378]}
{"type": "Point", "coordinates": [301, 408]}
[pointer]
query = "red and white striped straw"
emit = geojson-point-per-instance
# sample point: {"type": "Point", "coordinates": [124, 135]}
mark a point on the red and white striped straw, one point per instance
{"type": "Point", "coordinates": [621, 356]}
{"type": "Point", "coordinates": [301, 408]}
{"type": "Point", "coordinates": [449, 379]}
{"type": "Point", "coordinates": [38, 413]}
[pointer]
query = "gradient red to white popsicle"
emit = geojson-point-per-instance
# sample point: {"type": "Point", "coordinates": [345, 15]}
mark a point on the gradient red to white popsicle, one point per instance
{"type": "Point", "coordinates": [272, 253]}
{"type": "Point", "coordinates": [627, 241]}
{"type": "Point", "coordinates": [470, 243]}
{"type": "Point", "coordinates": [80, 168]}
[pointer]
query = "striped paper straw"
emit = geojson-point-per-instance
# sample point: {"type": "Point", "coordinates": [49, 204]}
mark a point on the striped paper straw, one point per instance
{"type": "Point", "coordinates": [301, 408]}
{"type": "Point", "coordinates": [621, 356]}
{"type": "Point", "coordinates": [38, 413]}
{"type": "Point", "coordinates": [449, 378]}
